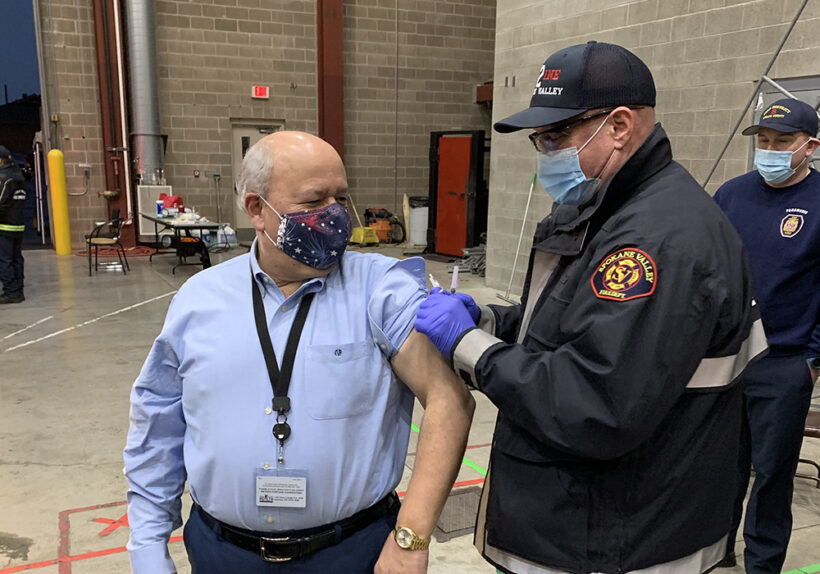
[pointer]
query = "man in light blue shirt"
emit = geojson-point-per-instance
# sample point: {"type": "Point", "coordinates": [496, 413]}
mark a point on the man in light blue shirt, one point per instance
{"type": "Point", "coordinates": [292, 449]}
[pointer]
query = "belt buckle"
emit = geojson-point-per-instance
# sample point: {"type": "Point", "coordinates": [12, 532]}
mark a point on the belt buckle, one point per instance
{"type": "Point", "coordinates": [263, 550]}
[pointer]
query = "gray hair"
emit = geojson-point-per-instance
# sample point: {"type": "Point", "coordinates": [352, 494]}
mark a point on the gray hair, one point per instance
{"type": "Point", "coordinates": [256, 170]}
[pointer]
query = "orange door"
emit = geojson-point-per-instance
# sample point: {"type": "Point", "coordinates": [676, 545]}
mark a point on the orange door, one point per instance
{"type": "Point", "coordinates": [453, 181]}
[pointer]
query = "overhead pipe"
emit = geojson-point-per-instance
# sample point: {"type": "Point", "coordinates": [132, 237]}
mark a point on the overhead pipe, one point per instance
{"type": "Point", "coordinates": [102, 39]}
{"type": "Point", "coordinates": [147, 141]}
{"type": "Point", "coordinates": [126, 163]}
{"type": "Point", "coordinates": [112, 109]}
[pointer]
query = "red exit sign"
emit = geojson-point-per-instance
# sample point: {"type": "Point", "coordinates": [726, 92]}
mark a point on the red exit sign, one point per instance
{"type": "Point", "coordinates": [261, 92]}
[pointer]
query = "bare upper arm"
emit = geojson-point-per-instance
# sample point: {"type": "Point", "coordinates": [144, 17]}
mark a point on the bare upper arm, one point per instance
{"type": "Point", "coordinates": [422, 368]}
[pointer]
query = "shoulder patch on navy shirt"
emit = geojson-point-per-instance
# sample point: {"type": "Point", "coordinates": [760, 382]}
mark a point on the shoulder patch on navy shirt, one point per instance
{"type": "Point", "coordinates": [791, 225]}
{"type": "Point", "coordinates": [626, 274]}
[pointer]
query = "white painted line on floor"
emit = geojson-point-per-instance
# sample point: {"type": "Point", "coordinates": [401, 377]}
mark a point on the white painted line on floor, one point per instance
{"type": "Point", "coordinates": [27, 328]}
{"type": "Point", "coordinates": [89, 322]}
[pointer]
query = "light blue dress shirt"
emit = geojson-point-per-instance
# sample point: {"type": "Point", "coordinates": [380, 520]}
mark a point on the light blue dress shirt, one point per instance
{"type": "Point", "coordinates": [200, 406]}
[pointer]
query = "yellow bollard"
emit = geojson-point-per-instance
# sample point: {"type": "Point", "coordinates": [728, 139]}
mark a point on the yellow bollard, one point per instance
{"type": "Point", "coordinates": [59, 202]}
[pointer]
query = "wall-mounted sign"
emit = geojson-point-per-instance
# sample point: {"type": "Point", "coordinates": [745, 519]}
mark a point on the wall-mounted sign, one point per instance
{"type": "Point", "coordinates": [196, 173]}
{"type": "Point", "coordinates": [261, 93]}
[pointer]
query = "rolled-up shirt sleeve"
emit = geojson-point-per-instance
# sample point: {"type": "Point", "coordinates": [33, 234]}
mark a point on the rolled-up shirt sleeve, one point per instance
{"type": "Point", "coordinates": [154, 465]}
{"type": "Point", "coordinates": [393, 303]}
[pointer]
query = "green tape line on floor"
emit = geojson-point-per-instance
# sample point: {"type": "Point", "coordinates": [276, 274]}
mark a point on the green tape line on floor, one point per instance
{"type": "Point", "coordinates": [805, 570]}
{"type": "Point", "coordinates": [479, 469]}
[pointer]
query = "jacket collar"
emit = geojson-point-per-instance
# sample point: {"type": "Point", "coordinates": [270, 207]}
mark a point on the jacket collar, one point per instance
{"type": "Point", "coordinates": [564, 230]}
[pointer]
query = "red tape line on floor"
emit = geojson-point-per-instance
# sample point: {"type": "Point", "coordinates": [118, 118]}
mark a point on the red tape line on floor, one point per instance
{"type": "Point", "coordinates": [68, 559]}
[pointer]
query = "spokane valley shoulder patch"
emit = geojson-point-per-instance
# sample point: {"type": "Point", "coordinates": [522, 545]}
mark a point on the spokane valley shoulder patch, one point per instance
{"type": "Point", "coordinates": [626, 274]}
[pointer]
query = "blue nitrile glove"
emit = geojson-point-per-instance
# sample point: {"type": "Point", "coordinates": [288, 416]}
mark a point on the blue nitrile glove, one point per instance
{"type": "Point", "coordinates": [469, 302]}
{"type": "Point", "coordinates": [443, 318]}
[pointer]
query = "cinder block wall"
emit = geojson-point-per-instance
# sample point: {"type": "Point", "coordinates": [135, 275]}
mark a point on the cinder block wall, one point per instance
{"type": "Point", "coordinates": [210, 54]}
{"type": "Point", "coordinates": [705, 56]}
{"type": "Point", "coordinates": [402, 84]}
{"type": "Point", "coordinates": [73, 96]}
{"type": "Point", "coordinates": [209, 57]}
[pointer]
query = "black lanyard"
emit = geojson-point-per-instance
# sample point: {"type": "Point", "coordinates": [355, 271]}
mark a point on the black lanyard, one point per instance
{"type": "Point", "coordinates": [279, 381]}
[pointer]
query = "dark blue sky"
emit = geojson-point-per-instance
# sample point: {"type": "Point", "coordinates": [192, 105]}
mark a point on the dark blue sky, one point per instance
{"type": "Point", "coordinates": [18, 51]}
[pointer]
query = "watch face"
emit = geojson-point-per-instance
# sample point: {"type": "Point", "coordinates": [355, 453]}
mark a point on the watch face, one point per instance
{"type": "Point", "coordinates": [404, 538]}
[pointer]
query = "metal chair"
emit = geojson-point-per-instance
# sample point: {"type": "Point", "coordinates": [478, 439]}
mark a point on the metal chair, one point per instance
{"type": "Point", "coordinates": [107, 234]}
{"type": "Point", "coordinates": [812, 429]}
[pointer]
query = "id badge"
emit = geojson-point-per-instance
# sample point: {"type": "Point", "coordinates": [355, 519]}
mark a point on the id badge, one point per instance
{"type": "Point", "coordinates": [281, 488]}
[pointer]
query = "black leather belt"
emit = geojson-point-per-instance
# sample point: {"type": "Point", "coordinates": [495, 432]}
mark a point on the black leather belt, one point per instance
{"type": "Point", "coordinates": [296, 544]}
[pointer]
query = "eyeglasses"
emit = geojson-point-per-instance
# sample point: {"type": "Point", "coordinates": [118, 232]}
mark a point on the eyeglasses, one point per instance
{"type": "Point", "coordinates": [547, 141]}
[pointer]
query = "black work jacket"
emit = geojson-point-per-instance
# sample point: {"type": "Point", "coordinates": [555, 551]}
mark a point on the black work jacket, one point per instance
{"type": "Point", "coordinates": [12, 200]}
{"type": "Point", "coordinates": [603, 459]}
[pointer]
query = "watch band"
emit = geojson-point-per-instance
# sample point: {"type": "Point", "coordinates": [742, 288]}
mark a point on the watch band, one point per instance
{"type": "Point", "coordinates": [409, 540]}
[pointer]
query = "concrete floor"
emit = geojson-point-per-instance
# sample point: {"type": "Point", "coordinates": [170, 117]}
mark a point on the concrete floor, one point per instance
{"type": "Point", "coordinates": [68, 357]}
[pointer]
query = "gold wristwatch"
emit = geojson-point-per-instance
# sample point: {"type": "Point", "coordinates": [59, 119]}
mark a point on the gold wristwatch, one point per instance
{"type": "Point", "coordinates": [409, 540]}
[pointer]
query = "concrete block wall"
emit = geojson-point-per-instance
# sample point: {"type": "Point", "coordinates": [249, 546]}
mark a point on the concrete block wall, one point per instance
{"type": "Point", "coordinates": [410, 68]}
{"type": "Point", "coordinates": [73, 95]}
{"type": "Point", "coordinates": [705, 56]}
{"type": "Point", "coordinates": [400, 84]}
{"type": "Point", "coordinates": [209, 56]}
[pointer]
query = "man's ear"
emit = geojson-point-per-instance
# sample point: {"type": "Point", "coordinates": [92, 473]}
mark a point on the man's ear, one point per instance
{"type": "Point", "coordinates": [812, 146]}
{"type": "Point", "coordinates": [623, 126]}
{"type": "Point", "coordinates": [253, 207]}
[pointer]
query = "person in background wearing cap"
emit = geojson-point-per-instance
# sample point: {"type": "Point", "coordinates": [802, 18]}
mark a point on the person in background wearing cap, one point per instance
{"type": "Point", "coordinates": [12, 202]}
{"type": "Point", "coordinates": [618, 412]}
{"type": "Point", "coordinates": [776, 211]}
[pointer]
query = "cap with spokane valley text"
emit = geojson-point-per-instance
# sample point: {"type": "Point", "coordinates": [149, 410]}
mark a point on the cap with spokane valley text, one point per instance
{"type": "Point", "coordinates": [580, 78]}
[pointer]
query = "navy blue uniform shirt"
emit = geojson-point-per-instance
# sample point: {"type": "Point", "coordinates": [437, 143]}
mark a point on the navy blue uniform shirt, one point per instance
{"type": "Point", "coordinates": [780, 228]}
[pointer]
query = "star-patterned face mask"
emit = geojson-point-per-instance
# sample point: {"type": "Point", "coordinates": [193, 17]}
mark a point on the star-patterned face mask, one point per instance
{"type": "Point", "coordinates": [315, 237]}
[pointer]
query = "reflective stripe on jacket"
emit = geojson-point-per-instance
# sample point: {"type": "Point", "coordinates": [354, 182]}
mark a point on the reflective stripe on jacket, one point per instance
{"type": "Point", "coordinates": [12, 200]}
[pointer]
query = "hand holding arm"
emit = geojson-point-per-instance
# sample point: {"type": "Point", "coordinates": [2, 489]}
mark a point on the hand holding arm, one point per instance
{"type": "Point", "coordinates": [444, 318]}
{"type": "Point", "coordinates": [469, 302]}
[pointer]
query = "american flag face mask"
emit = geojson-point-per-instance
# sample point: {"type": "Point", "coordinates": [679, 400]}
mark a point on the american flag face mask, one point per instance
{"type": "Point", "coordinates": [315, 237]}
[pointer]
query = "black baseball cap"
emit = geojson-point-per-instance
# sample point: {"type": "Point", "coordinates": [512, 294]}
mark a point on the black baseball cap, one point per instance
{"type": "Point", "coordinates": [580, 78]}
{"type": "Point", "coordinates": [788, 116]}
{"type": "Point", "coordinates": [4, 152]}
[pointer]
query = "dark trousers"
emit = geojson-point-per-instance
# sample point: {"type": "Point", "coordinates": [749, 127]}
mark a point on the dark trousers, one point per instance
{"type": "Point", "coordinates": [776, 397]}
{"type": "Point", "coordinates": [209, 553]}
{"type": "Point", "coordinates": [11, 264]}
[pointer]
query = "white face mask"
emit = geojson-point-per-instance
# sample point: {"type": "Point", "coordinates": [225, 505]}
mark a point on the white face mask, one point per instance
{"type": "Point", "coordinates": [776, 166]}
{"type": "Point", "coordinates": [561, 175]}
